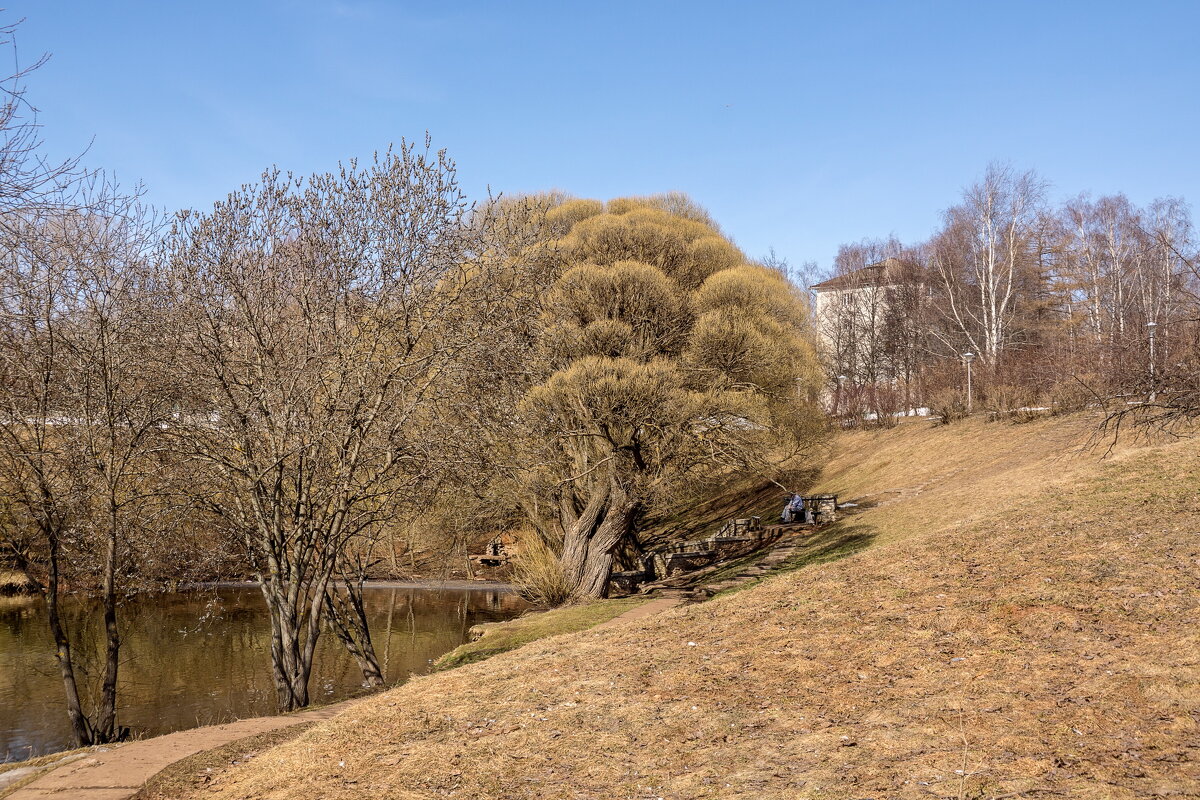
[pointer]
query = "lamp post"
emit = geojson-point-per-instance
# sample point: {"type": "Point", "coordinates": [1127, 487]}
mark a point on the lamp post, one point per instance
{"type": "Point", "coordinates": [837, 406]}
{"type": "Point", "coordinates": [967, 359]}
{"type": "Point", "coordinates": [1152, 327]}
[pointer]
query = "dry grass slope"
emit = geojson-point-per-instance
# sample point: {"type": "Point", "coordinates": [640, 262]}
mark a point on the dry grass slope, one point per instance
{"type": "Point", "coordinates": [1024, 624]}
{"type": "Point", "coordinates": [500, 637]}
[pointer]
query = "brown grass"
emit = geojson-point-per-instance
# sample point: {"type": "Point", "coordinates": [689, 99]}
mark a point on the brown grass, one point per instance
{"type": "Point", "coordinates": [1024, 624]}
{"type": "Point", "coordinates": [500, 637]}
{"type": "Point", "coordinates": [916, 479]}
{"type": "Point", "coordinates": [196, 772]}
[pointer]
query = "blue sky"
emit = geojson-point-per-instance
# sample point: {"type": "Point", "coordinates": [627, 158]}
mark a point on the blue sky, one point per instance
{"type": "Point", "coordinates": [799, 125]}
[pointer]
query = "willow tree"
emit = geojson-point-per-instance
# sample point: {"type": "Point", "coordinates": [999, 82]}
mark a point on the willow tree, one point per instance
{"type": "Point", "coordinates": [320, 321]}
{"type": "Point", "coordinates": [669, 360]}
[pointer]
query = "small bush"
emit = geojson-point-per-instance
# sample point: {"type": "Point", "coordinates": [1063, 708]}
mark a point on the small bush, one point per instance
{"type": "Point", "coordinates": [949, 404]}
{"type": "Point", "coordinates": [1075, 394]}
{"type": "Point", "coordinates": [536, 573]}
{"type": "Point", "coordinates": [1006, 398]}
{"type": "Point", "coordinates": [887, 403]}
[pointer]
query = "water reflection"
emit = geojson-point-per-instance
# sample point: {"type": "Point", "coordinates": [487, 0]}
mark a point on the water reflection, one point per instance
{"type": "Point", "coordinates": [202, 657]}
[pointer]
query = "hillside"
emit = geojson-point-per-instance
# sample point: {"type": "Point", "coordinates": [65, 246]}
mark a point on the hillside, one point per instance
{"type": "Point", "coordinates": [1015, 619]}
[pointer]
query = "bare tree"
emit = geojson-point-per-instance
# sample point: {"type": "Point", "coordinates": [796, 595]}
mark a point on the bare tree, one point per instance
{"type": "Point", "coordinates": [1064, 306]}
{"type": "Point", "coordinates": [81, 413]}
{"type": "Point", "coordinates": [76, 419]}
{"type": "Point", "coordinates": [981, 253]}
{"type": "Point", "coordinates": [322, 325]}
{"type": "Point", "coordinates": [29, 180]}
{"type": "Point", "coordinates": [873, 318]}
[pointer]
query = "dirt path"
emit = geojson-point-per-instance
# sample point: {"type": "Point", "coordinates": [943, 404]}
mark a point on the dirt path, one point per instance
{"type": "Point", "coordinates": [118, 772]}
{"type": "Point", "coordinates": [641, 612]}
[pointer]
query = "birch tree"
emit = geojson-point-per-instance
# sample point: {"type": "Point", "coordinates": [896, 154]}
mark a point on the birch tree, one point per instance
{"type": "Point", "coordinates": [1128, 266]}
{"type": "Point", "coordinates": [980, 254]}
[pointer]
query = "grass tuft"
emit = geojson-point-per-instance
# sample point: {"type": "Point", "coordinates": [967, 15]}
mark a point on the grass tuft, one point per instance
{"type": "Point", "coordinates": [537, 573]}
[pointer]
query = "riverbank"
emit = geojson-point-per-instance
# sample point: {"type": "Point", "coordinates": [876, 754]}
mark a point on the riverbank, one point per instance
{"type": "Point", "coordinates": [164, 767]}
{"type": "Point", "coordinates": [202, 657]}
{"type": "Point", "coordinates": [1003, 616]}
{"type": "Point", "coordinates": [493, 638]}
{"type": "Point", "coordinates": [14, 583]}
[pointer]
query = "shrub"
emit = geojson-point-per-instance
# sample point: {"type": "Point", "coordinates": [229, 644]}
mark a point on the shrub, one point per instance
{"type": "Point", "coordinates": [1006, 399]}
{"type": "Point", "coordinates": [886, 403]}
{"type": "Point", "coordinates": [1074, 394]}
{"type": "Point", "coordinates": [537, 574]}
{"type": "Point", "coordinates": [949, 404]}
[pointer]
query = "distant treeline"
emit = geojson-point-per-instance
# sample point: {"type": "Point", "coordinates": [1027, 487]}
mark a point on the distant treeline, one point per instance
{"type": "Point", "coordinates": [1058, 305]}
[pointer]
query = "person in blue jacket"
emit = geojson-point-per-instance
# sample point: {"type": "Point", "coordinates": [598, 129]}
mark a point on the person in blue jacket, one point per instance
{"type": "Point", "coordinates": [794, 509]}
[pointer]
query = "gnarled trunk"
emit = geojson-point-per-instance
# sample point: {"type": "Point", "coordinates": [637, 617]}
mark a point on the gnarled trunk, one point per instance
{"type": "Point", "coordinates": [578, 530]}
{"type": "Point", "coordinates": [590, 542]}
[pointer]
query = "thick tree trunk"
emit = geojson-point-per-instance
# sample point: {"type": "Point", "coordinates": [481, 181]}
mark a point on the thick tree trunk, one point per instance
{"type": "Point", "coordinates": [579, 528]}
{"type": "Point", "coordinates": [293, 639]}
{"type": "Point", "coordinates": [591, 542]}
{"type": "Point", "coordinates": [597, 567]}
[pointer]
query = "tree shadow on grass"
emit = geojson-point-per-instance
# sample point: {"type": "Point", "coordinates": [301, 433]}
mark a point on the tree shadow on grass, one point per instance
{"type": "Point", "coordinates": [698, 518]}
{"type": "Point", "coordinates": [838, 540]}
{"type": "Point", "coordinates": [829, 543]}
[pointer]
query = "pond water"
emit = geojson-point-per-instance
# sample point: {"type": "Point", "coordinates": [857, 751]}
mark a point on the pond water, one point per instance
{"type": "Point", "coordinates": [203, 657]}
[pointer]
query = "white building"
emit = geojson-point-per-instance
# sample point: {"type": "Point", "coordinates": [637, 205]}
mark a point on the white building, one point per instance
{"type": "Point", "coordinates": [869, 336]}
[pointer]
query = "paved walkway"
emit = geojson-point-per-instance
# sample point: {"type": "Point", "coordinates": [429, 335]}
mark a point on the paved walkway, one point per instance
{"type": "Point", "coordinates": [118, 772]}
{"type": "Point", "coordinates": [641, 612]}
